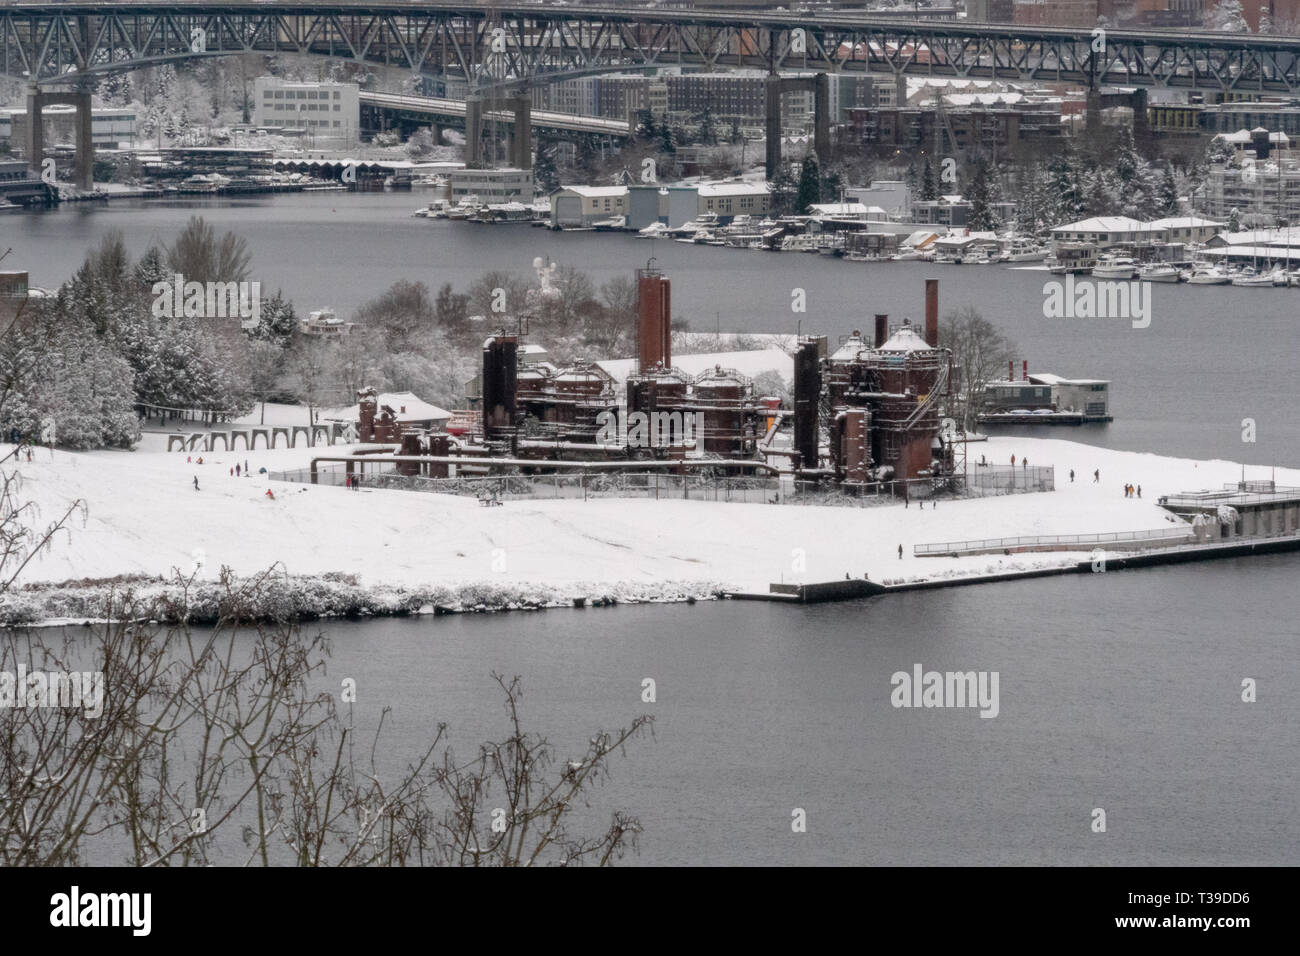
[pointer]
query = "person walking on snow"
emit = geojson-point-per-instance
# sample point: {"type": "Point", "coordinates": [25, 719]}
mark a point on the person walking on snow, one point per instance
{"type": "Point", "coordinates": [236, 469]}
{"type": "Point", "coordinates": [1013, 461]}
{"type": "Point", "coordinates": [1139, 491]}
{"type": "Point", "coordinates": [1096, 476]}
{"type": "Point", "coordinates": [900, 552]}
{"type": "Point", "coordinates": [196, 482]}
{"type": "Point", "coordinates": [1024, 463]}
{"type": "Point", "coordinates": [1071, 476]}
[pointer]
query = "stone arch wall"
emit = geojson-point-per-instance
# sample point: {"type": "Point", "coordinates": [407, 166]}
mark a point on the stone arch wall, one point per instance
{"type": "Point", "coordinates": [329, 434]}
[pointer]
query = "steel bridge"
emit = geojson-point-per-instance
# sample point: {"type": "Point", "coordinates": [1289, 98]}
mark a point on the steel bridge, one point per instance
{"type": "Point", "coordinates": [522, 43]}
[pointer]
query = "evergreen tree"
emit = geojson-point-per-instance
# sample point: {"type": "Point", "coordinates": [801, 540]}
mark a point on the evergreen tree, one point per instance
{"type": "Point", "coordinates": [928, 190]}
{"type": "Point", "coordinates": [707, 133]}
{"type": "Point", "coordinates": [277, 321]}
{"type": "Point", "coordinates": [809, 186]}
{"type": "Point", "coordinates": [545, 173]}
{"type": "Point", "coordinates": [982, 218]}
{"type": "Point", "coordinates": [645, 125]}
{"type": "Point", "coordinates": [1168, 192]}
{"type": "Point", "coordinates": [783, 189]}
{"type": "Point", "coordinates": [666, 139]}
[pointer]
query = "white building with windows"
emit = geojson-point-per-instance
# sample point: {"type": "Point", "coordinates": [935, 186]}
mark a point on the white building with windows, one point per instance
{"type": "Point", "coordinates": [1105, 232]}
{"type": "Point", "coordinates": [492, 185]}
{"type": "Point", "coordinates": [577, 206]}
{"type": "Point", "coordinates": [735, 198]}
{"type": "Point", "coordinates": [328, 111]}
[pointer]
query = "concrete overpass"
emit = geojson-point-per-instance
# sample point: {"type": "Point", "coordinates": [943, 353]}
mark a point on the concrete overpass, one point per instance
{"type": "Point", "coordinates": [476, 112]}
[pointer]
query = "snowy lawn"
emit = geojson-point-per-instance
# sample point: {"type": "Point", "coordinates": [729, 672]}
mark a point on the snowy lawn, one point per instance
{"type": "Point", "coordinates": [145, 516]}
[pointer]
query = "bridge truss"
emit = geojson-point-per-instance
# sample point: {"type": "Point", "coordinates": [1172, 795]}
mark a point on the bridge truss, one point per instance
{"type": "Point", "coordinates": [59, 43]}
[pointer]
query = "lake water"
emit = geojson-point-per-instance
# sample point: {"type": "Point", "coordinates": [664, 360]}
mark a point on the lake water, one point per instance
{"type": "Point", "coordinates": [1119, 691]}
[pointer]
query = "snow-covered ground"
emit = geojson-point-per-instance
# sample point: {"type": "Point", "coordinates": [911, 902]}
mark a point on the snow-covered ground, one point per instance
{"type": "Point", "coordinates": [143, 515]}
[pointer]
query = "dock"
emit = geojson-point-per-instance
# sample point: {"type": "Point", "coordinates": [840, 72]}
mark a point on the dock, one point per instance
{"type": "Point", "coordinates": [855, 589]}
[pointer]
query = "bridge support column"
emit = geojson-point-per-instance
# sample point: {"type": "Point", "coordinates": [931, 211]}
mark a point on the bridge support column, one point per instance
{"type": "Point", "coordinates": [473, 129]}
{"type": "Point", "coordinates": [1141, 119]}
{"type": "Point", "coordinates": [85, 142]}
{"type": "Point", "coordinates": [773, 151]}
{"type": "Point", "coordinates": [35, 144]}
{"type": "Point", "coordinates": [522, 155]}
{"type": "Point", "coordinates": [900, 89]}
{"type": "Point", "coordinates": [1093, 111]}
{"type": "Point", "coordinates": [822, 118]}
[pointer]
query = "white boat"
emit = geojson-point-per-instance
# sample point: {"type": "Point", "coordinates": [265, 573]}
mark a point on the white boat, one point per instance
{"type": "Point", "coordinates": [703, 222]}
{"type": "Point", "coordinates": [1024, 250]}
{"type": "Point", "coordinates": [1208, 275]}
{"type": "Point", "coordinates": [656, 230]}
{"type": "Point", "coordinates": [467, 207]}
{"type": "Point", "coordinates": [1114, 267]}
{"type": "Point", "coordinates": [1158, 272]}
{"type": "Point", "coordinates": [435, 210]}
{"type": "Point", "coordinates": [799, 243]}
{"type": "Point", "coordinates": [904, 255]}
{"type": "Point", "coordinates": [1251, 279]}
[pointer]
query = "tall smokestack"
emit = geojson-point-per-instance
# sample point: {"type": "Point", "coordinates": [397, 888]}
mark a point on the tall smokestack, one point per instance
{"type": "Point", "coordinates": [654, 319]}
{"type": "Point", "coordinates": [807, 397]}
{"type": "Point", "coordinates": [1011, 370]}
{"type": "Point", "coordinates": [1025, 369]}
{"type": "Point", "coordinates": [932, 313]}
{"type": "Point", "coordinates": [500, 368]}
{"type": "Point", "coordinates": [882, 330]}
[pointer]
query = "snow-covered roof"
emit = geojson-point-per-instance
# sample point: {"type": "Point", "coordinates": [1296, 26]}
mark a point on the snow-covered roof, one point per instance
{"type": "Point", "coordinates": [850, 349]}
{"type": "Point", "coordinates": [750, 362]}
{"type": "Point", "coordinates": [1244, 137]}
{"type": "Point", "coordinates": [920, 239]}
{"type": "Point", "coordinates": [906, 339]}
{"type": "Point", "coordinates": [845, 209]}
{"type": "Point", "coordinates": [406, 405]}
{"type": "Point", "coordinates": [595, 192]}
{"type": "Point", "coordinates": [1259, 237]}
{"type": "Point", "coordinates": [1048, 378]}
{"type": "Point", "coordinates": [733, 189]}
{"type": "Point", "coordinates": [1106, 224]}
{"type": "Point", "coordinates": [1183, 222]}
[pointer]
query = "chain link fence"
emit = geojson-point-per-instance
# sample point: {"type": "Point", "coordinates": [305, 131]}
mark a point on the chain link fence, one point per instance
{"type": "Point", "coordinates": [691, 486]}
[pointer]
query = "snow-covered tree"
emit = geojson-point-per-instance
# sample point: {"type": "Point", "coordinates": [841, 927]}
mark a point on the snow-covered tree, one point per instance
{"type": "Point", "coordinates": [1227, 16]}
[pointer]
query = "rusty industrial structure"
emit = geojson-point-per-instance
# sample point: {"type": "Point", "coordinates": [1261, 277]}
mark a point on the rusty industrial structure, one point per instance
{"type": "Point", "coordinates": [865, 416]}
{"type": "Point", "coordinates": [879, 403]}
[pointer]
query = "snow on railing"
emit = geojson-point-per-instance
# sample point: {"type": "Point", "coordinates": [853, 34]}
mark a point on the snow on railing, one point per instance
{"type": "Point", "coordinates": [1041, 541]}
